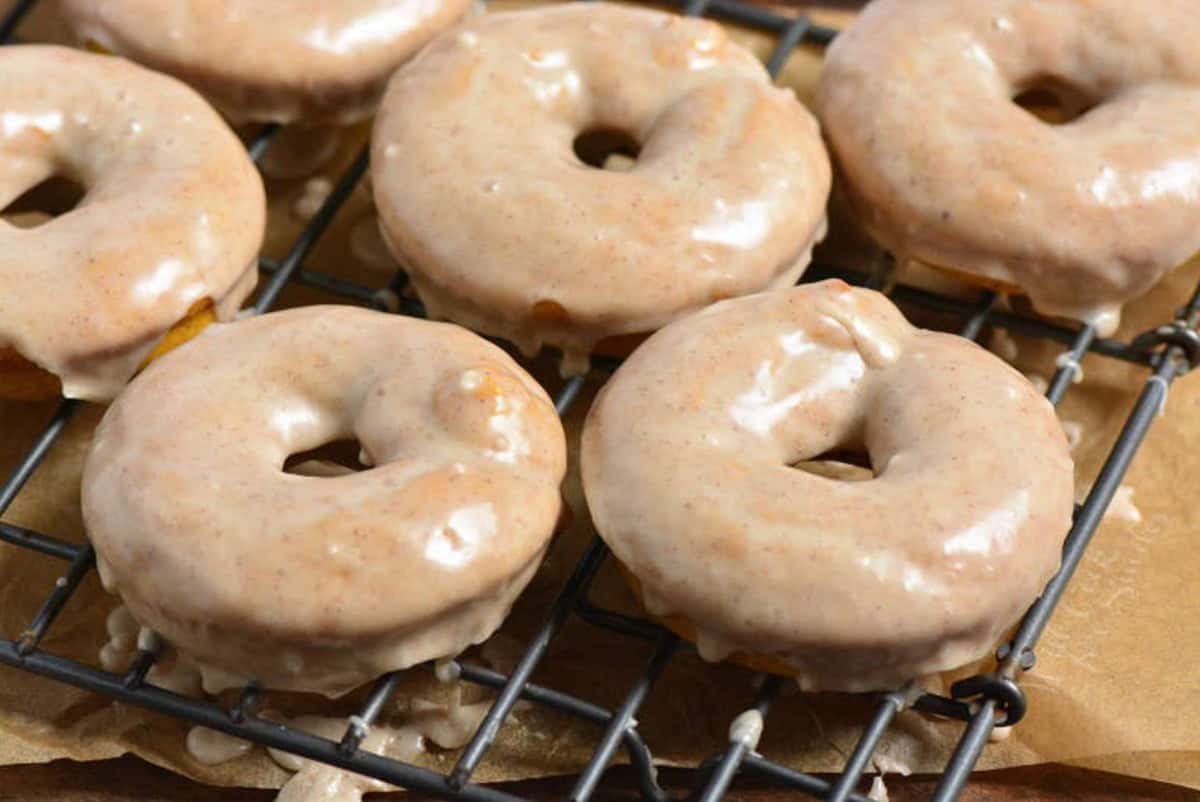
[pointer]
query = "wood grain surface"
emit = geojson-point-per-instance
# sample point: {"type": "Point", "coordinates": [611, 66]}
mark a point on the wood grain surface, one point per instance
{"type": "Point", "coordinates": [129, 779]}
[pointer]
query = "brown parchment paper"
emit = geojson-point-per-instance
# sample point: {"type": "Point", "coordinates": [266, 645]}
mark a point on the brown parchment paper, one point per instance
{"type": "Point", "coordinates": [1116, 685]}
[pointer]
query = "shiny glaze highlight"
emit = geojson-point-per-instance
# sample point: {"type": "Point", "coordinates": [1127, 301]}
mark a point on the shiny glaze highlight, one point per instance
{"type": "Point", "coordinates": [687, 457]}
{"type": "Point", "coordinates": [1083, 216]}
{"type": "Point", "coordinates": [321, 582]}
{"type": "Point", "coordinates": [504, 229]}
{"type": "Point", "coordinates": [173, 214]}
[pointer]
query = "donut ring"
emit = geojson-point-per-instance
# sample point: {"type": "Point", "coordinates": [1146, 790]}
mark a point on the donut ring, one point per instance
{"type": "Point", "coordinates": [504, 229]}
{"type": "Point", "coordinates": [270, 60]}
{"type": "Point", "coordinates": [320, 584]}
{"type": "Point", "coordinates": [681, 626]}
{"type": "Point", "coordinates": [851, 586]}
{"type": "Point", "coordinates": [1083, 216]}
{"type": "Point", "coordinates": [22, 380]}
{"type": "Point", "coordinates": [168, 230]}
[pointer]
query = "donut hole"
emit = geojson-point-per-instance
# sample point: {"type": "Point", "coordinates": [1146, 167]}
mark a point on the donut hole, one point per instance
{"type": "Point", "coordinates": [338, 458]}
{"type": "Point", "coordinates": [607, 149]}
{"type": "Point", "coordinates": [1054, 101]}
{"type": "Point", "coordinates": [842, 464]}
{"type": "Point", "coordinates": [43, 202]}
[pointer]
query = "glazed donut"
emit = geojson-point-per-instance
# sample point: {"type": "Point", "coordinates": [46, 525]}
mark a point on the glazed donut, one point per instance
{"type": "Point", "coordinates": [319, 584]}
{"type": "Point", "coordinates": [504, 229]}
{"type": "Point", "coordinates": [168, 229]}
{"type": "Point", "coordinates": [1083, 216]}
{"type": "Point", "coordinates": [269, 60]}
{"type": "Point", "coordinates": [687, 459]}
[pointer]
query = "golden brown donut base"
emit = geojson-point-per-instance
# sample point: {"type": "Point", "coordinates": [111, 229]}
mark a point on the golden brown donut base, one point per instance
{"type": "Point", "coordinates": [995, 285]}
{"type": "Point", "coordinates": [22, 380]}
{"type": "Point", "coordinates": [681, 626]}
{"type": "Point", "coordinates": [618, 345]}
{"type": "Point", "coordinates": [197, 318]}
{"type": "Point", "coordinates": [977, 280]}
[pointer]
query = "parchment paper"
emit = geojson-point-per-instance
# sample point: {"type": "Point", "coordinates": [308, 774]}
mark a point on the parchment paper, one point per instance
{"type": "Point", "coordinates": [1116, 685]}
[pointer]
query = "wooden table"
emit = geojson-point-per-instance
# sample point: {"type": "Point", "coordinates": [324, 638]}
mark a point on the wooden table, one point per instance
{"type": "Point", "coordinates": [129, 779]}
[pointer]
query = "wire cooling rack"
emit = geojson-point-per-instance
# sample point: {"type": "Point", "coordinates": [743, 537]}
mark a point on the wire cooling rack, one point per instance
{"type": "Point", "coordinates": [980, 703]}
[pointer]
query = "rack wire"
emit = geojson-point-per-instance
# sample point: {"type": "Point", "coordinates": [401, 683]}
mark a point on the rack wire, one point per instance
{"type": "Point", "coordinates": [980, 703]}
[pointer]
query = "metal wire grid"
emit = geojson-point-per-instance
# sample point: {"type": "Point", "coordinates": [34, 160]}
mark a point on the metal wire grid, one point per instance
{"type": "Point", "coordinates": [982, 702]}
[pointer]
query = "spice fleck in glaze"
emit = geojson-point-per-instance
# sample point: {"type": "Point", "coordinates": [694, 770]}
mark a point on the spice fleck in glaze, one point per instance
{"type": "Point", "coordinates": [270, 60]}
{"type": "Point", "coordinates": [687, 461]}
{"type": "Point", "coordinates": [1083, 216]}
{"type": "Point", "coordinates": [172, 217]}
{"type": "Point", "coordinates": [319, 583]}
{"type": "Point", "coordinates": [503, 228]}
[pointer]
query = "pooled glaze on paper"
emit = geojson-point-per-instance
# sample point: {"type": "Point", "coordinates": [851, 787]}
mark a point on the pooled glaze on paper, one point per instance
{"type": "Point", "coordinates": [449, 726]}
{"type": "Point", "coordinates": [173, 214]}
{"type": "Point", "coordinates": [170, 671]}
{"type": "Point", "coordinates": [121, 645]}
{"type": "Point", "coordinates": [212, 747]}
{"type": "Point", "coordinates": [1074, 432]}
{"type": "Point", "coordinates": [1122, 506]}
{"type": "Point", "coordinates": [312, 197]}
{"type": "Point", "coordinates": [1084, 216]}
{"type": "Point", "coordinates": [270, 60]}
{"type": "Point", "coordinates": [862, 585]}
{"type": "Point", "coordinates": [322, 583]}
{"type": "Point", "coordinates": [1004, 346]}
{"type": "Point", "coordinates": [505, 230]}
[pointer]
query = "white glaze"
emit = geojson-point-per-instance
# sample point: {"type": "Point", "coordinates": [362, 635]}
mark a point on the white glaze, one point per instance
{"type": "Point", "coordinates": [212, 747]}
{"type": "Point", "coordinates": [943, 166]}
{"type": "Point", "coordinates": [319, 782]}
{"type": "Point", "coordinates": [887, 763]}
{"type": "Point", "coordinates": [449, 726]}
{"type": "Point", "coordinates": [173, 215]}
{"type": "Point", "coordinates": [1074, 432]}
{"type": "Point", "coordinates": [125, 636]}
{"type": "Point", "coordinates": [530, 244]}
{"type": "Point", "coordinates": [1067, 362]}
{"type": "Point", "coordinates": [175, 673]}
{"type": "Point", "coordinates": [447, 671]}
{"type": "Point", "coordinates": [747, 729]}
{"type": "Point", "coordinates": [118, 650]}
{"type": "Point", "coordinates": [270, 60]}
{"type": "Point", "coordinates": [320, 584]}
{"type": "Point", "coordinates": [854, 585]}
{"type": "Point", "coordinates": [311, 198]}
{"type": "Point", "coordinates": [1004, 346]}
{"type": "Point", "coordinates": [1039, 382]}
{"type": "Point", "coordinates": [1122, 506]}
